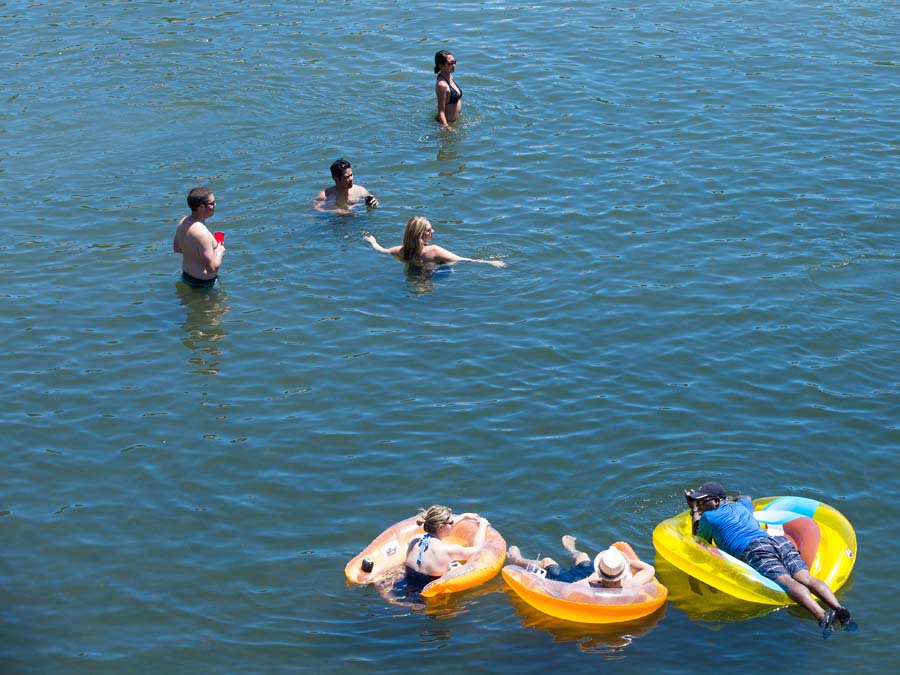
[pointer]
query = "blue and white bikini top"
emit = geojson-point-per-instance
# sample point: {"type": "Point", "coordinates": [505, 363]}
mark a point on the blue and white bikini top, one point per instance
{"type": "Point", "coordinates": [423, 546]}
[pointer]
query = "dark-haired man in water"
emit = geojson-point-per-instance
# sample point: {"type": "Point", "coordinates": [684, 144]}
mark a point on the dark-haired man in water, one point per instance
{"type": "Point", "coordinates": [344, 194]}
{"type": "Point", "coordinates": [201, 254]}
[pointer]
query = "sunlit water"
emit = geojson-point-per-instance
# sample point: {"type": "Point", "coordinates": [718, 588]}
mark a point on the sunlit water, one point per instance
{"type": "Point", "coordinates": [697, 203]}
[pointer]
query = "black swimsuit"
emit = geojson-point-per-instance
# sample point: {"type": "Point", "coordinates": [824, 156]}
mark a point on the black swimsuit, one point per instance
{"type": "Point", "coordinates": [454, 95]}
{"type": "Point", "coordinates": [415, 579]}
{"type": "Point", "coordinates": [194, 282]}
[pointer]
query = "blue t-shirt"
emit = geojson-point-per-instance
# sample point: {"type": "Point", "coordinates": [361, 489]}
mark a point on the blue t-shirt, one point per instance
{"type": "Point", "coordinates": [733, 526]}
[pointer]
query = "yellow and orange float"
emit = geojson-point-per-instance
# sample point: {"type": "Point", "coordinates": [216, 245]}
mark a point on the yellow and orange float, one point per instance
{"type": "Point", "coordinates": [822, 534]}
{"type": "Point", "coordinates": [385, 557]}
{"type": "Point", "coordinates": [586, 604]}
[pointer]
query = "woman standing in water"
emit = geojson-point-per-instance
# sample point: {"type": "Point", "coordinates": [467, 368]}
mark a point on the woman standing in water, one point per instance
{"type": "Point", "coordinates": [449, 94]}
{"type": "Point", "coordinates": [417, 248]}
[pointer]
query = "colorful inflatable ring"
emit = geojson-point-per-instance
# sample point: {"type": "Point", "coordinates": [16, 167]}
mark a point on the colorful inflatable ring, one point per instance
{"type": "Point", "coordinates": [388, 556]}
{"type": "Point", "coordinates": [586, 604]}
{"type": "Point", "coordinates": [824, 537]}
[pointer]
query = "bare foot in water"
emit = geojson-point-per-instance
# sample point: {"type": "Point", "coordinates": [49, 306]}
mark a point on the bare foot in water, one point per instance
{"type": "Point", "coordinates": [568, 542]}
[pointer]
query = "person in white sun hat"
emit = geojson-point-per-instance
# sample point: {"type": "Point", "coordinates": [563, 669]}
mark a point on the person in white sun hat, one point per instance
{"type": "Point", "coordinates": [613, 570]}
{"type": "Point", "coordinates": [610, 569]}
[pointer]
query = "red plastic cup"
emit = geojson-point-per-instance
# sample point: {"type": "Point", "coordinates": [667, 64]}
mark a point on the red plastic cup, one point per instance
{"type": "Point", "coordinates": [220, 237]}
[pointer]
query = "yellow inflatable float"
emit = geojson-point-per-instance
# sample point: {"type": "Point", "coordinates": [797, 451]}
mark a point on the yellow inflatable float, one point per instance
{"type": "Point", "coordinates": [586, 604]}
{"type": "Point", "coordinates": [822, 534]}
{"type": "Point", "coordinates": [385, 557]}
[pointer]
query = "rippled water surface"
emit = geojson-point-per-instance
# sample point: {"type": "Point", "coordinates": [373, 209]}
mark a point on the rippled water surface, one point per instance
{"type": "Point", "coordinates": [697, 203]}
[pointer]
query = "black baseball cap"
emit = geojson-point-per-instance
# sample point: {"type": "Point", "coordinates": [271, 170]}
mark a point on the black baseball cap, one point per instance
{"type": "Point", "coordinates": [709, 491]}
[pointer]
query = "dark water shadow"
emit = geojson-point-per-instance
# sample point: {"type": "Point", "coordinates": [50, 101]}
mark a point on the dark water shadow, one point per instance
{"type": "Point", "coordinates": [446, 153]}
{"type": "Point", "coordinates": [203, 327]}
{"type": "Point", "coordinates": [604, 638]}
{"type": "Point", "coordinates": [423, 280]}
{"type": "Point", "coordinates": [395, 591]}
{"type": "Point", "coordinates": [702, 602]}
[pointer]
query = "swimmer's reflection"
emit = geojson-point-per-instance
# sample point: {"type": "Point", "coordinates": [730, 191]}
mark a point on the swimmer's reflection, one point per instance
{"type": "Point", "coordinates": [203, 326]}
{"type": "Point", "coordinates": [421, 279]}
{"type": "Point", "coordinates": [445, 154]}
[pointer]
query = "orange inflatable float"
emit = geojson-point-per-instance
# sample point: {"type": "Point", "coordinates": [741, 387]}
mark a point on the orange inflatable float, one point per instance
{"type": "Point", "coordinates": [386, 556]}
{"type": "Point", "coordinates": [586, 604]}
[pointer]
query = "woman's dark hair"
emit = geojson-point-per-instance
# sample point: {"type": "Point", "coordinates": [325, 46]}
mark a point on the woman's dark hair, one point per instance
{"type": "Point", "coordinates": [440, 59]}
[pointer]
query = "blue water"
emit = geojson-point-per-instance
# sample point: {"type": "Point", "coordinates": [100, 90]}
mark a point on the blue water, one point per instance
{"type": "Point", "coordinates": [697, 203]}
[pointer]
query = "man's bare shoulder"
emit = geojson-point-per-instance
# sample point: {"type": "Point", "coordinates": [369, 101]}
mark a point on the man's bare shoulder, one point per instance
{"type": "Point", "coordinates": [187, 222]}
{"type": "Point", "coordinates": [325, 195]}
{"type": "Point", "coordinates": [191, 228]}
{"type": "Point", "coordinates": [184, 224]}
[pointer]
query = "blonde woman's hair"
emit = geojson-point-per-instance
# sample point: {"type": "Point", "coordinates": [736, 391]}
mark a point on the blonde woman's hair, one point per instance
{"type": "Point", "coordinates": [434, 517]}
{"type": "Point", "coordinates": [413, 237]}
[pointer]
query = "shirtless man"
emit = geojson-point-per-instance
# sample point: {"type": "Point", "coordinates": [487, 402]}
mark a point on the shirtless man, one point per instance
{"type": "Point", "coordinates": [344, 194]}
{"type": "Point", "coordinates": [201, 254]}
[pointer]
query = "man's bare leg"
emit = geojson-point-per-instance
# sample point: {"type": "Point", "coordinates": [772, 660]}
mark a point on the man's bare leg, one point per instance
{"type": "Point", "coordinates": [514, 557]}
{"type": "Point", "coordinates": [568, 542]}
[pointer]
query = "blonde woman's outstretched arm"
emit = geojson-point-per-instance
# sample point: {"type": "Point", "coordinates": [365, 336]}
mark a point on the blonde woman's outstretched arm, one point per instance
{"type": "Point", "coordinates": [449, 256]}
{"type": "Point", "coordinates": [393, 250]}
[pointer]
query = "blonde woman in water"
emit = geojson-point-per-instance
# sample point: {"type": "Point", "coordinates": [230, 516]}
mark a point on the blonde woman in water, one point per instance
{"type": "Point", "coordinates": [429, 558]}
{"type": "Point", "coordinates": [417, 248]}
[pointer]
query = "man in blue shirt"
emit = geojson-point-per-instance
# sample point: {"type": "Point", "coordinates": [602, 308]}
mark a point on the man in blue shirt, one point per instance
{"type": "Point", "coordinates": [737, 532]}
